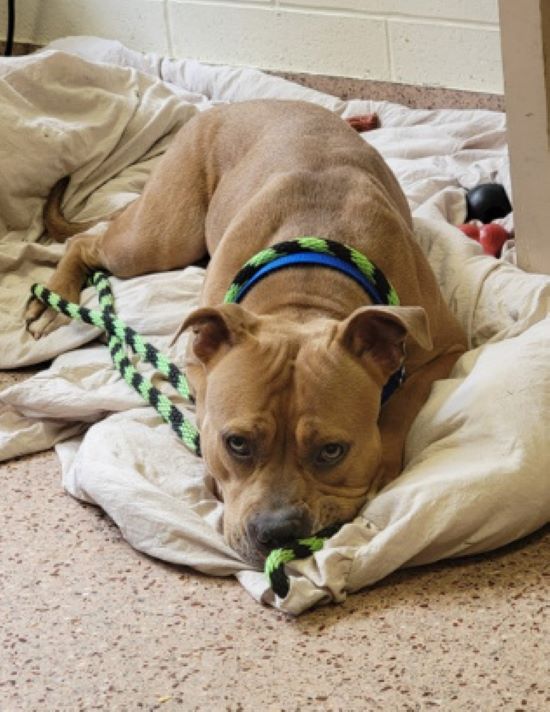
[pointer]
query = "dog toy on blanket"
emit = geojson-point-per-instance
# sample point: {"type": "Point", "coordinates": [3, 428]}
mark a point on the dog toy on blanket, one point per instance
{"type": "Point", "coordinates": [301, 549]}
{"type": "Point", "coordinates": [120, 336]}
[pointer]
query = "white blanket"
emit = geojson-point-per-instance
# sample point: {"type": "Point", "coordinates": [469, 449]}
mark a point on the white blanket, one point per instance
{"type": "Point", "coordinates": [477, 459]}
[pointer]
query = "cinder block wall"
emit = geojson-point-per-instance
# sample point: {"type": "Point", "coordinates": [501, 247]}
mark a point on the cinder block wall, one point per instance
{"type": "Point", "coordinates": [449, 43]}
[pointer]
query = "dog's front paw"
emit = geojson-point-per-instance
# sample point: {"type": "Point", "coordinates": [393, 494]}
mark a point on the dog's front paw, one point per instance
{"type": "Point", "coordinates": [40, 320]}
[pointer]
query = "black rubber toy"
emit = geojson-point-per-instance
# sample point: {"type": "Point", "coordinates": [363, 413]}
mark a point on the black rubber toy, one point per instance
{"type": "Point", "coordinates": [487, 202]}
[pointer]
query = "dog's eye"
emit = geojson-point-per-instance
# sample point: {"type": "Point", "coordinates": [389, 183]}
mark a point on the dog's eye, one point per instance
{"type": "Point", "coordinates": [238, 446]}
{"type": "Point", "coordinates": [331, 453]}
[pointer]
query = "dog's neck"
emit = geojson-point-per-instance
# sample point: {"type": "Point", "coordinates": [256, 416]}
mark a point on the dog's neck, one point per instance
{"type": "Point", "coordinates": [303, 295]}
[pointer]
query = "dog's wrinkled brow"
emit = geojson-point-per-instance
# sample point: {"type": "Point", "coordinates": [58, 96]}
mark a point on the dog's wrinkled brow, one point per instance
{"type": "Point", "coordinates": [312, 432]}
{"type": "Point", "coordinates": [258, 428]}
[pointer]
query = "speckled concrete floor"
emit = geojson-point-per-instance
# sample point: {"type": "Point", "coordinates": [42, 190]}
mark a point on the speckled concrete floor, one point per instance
{"type": "Point", "coordinates": [90, 624]}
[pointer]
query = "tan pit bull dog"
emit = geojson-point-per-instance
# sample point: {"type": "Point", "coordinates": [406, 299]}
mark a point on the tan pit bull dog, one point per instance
{"type": "Point", "coordinates": [288, 384]}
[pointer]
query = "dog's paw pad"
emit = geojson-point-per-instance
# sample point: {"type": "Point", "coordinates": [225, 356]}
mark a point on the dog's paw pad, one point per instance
{"type": "Point", "coordinates": [46, 322]}
{"type": "Point", "coordinates": [33, 310]}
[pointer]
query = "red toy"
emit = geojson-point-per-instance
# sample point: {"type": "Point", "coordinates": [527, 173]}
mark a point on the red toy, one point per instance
{"type": "Point", "coordinates": [364, 122]}
{"type": "Point", "coordinates": [470, 230]}
{"type": "Point", "coordinates": [492, 238]}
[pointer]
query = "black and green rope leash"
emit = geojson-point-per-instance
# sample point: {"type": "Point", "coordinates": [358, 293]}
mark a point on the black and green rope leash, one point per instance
{"type": "Point", "coordinates": [304, 251]}
{"type": "Point", "coordinates": [120, 336]}
{"type": "Point", "coordinates": [300, 549]}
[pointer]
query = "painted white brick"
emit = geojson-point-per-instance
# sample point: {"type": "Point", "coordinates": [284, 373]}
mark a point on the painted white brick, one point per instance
{"type": "Point", "coordinates": [139, 24]}
{"type": "Point", "coordinates": [450, 43]}
{"type": "Point", "coordinates": [439, 55]}
{"type": "Point", "coordinates": [485, 11]}
{"type": "Point", "coordinates": [278, 39]}
{"type": "Point", "coordinates": [238, 2]}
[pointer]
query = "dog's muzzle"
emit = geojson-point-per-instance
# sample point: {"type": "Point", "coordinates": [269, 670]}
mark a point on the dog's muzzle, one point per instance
{"type": "Point", "coordinates": [272, 529]}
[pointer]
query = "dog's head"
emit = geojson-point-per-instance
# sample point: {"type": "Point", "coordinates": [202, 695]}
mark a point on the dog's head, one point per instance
{"type": "Point", "coordinates": [288, 414]}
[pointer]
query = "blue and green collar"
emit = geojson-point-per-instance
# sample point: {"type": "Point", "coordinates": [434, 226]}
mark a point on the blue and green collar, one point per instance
{"type": "Point", "coordinates": [319, 252]}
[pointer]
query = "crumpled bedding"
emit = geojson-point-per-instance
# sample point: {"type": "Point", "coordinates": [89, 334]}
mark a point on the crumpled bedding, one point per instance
{"type": "Point", "coordinates": [477, 465]}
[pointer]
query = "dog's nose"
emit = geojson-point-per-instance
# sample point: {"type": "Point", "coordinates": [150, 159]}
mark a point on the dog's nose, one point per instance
{"type": "Point", "coordinates": [273, 529]}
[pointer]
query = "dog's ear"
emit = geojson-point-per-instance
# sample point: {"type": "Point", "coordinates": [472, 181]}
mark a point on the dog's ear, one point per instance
{"type": "Point", "coordinates": [379, 333]}
{"type": "Point", "coordinates": [217, 327]}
